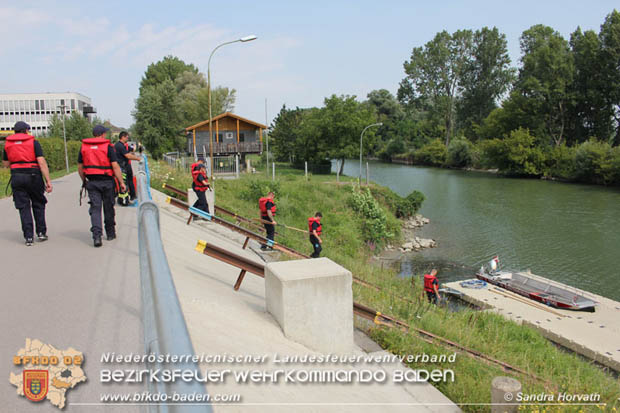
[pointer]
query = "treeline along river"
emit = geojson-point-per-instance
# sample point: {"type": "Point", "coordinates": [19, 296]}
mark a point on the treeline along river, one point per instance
{"type": "Point", "coordinates": [565, 232]}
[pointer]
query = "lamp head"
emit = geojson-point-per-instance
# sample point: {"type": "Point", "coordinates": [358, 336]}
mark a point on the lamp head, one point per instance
{"type": "Point", "coordinates": [248, 38]}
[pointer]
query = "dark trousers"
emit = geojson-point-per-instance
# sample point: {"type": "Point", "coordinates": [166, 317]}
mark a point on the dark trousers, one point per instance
{"type": "Point", "coordinates": [270, 228]}
{"type": "Point", "coordinates": [317, 247]}
{"type": "Point", "coordinates": [101, 193]}
{"type": "Point", "coordinates": [201, 202]}
{"type": "Point", "coordinates": [129, 181]}
{"type": "Point", "coordinates": [432, 297]}
{"type": "Point", "coordinates": [28, 197]}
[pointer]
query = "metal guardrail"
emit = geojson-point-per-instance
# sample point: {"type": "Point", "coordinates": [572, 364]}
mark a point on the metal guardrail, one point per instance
{"type": "Point", "coordinates": [165, 331]}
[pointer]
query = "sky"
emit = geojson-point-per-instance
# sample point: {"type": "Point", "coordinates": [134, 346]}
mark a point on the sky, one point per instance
{"type": "Point", "coordinates": [305, 51]}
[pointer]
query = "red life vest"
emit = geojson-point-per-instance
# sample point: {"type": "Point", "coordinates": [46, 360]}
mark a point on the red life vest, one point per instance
{"type": "Point", "coordinates": [95, 157]}
{"type": "Point", "coordinates": [262, 205]}
{"type": "Point", "coordinates": [311, 221]}
{"type": "Point", "coordinates": [193, 166]}
{"type": "Point", "coordinates": [200, 186]}
{"type": "Point", "coordinates": [428, 282]}
{"type": "Point", "coordinates": [20, 151]}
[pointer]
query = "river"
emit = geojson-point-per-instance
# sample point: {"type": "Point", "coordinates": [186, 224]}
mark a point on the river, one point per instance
{"type": "Point", "coordinates": [565, 232]}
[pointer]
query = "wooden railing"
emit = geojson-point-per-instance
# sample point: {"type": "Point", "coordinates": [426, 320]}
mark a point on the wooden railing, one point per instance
{"type": "Point", "coordinates": [232, 148]}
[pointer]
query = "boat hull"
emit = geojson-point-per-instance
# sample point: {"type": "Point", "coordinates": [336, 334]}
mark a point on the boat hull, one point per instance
{"type": "Point", "coordinates": [541, 292]}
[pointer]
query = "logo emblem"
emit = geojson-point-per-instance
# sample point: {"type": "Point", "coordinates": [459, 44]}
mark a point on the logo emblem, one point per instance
{"type": "Point", "coordinates": [35, 384]}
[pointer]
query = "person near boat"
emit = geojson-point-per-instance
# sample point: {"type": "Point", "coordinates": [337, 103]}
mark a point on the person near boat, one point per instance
{"type": "Point", "coordinates": [431, 286]}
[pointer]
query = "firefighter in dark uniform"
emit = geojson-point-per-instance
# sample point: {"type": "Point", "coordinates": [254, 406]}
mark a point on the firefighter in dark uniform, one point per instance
{"type": "Point", "coordinates": [30, 179]}
{"type": "Point", "coordinates": [200, 184]}
{"type": "Point", "coordinates": [431, 286]}
{"type": "Point", "coordinates": [267, 211]}
{"type": "Point", "coordinates": [125, 156]}
{"type": "Point", "coordinates": [98, 166]}
{"type": "Point", "coordinates": [315, 228]}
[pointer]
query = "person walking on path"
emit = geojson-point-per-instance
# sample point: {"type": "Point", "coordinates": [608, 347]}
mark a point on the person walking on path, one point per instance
{"type": "Point", "coordinates": [125, 156]}
{"type": "Point", "coordinates": [98, 166]}
{"type": "Point", "coordinates": [267, 208]}
{"type": "Point", "coordinates": [200, 184]}
{"type": "Point", "coordinates": [431, 286]}
{"type": "Point", "coordinates": [315, 228]}
{"type": "Point", "coordinates": [30, 179]}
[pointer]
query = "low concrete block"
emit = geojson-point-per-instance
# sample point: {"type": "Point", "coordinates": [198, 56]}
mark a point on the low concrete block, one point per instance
{"type": "Point", "coordinates": [312, 300]}
{"type": "Point", "coordinates": [191, 198]}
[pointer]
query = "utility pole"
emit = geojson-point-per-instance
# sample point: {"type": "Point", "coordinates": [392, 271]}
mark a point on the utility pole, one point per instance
{"type": "Point", "coordinates": [64, 135]}
{"type": "Point", "coordinates": [267, 139]}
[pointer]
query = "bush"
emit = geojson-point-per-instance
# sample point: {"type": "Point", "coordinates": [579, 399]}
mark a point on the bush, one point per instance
{"type": "Point", "coordinates": [374, 219]}
{"type": "Point", "coordinates": [615, 165]}
{"type": "Point", "coordinates": [593, 162]}
{"type": "Point", "coordinates": [517, 154]}
{"type": "Point", "coordinates": [460, 153]}
{"type": "Point", "coordinates": [432, 154]}
{"type": "Point", "coordinates": [54, 152]}
{"type": "Point", "coordinates": [258, 188]}
{"type": "Point", "coordinates": [560, 162]}
{"type": "Point", "coordinates": [401, 207]}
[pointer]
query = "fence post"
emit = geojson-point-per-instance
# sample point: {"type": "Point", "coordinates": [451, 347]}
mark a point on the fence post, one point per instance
{"type": "Point", "coordinates": [273, 171]}
{"type": "Point", "coordinates": [367, 174]}
{"type": "Point", "coordinates": [306, 168]}
{"type": "Point", "coordinates": [504, 392]}
{"type": "Point", "coordinates": [338, 170]}
{"type": "Point", "coordinates": [237, 166]}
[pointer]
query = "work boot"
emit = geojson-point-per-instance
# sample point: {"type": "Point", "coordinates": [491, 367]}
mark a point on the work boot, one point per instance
{"type": "Point", "coordinates": [29, 242]}
{"type": "Point", "coordinates": [42, 237]}
{"type": "Point", "coordinates": [97, 242]}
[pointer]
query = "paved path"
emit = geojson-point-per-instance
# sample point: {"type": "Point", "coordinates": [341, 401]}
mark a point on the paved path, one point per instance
{"type": "Point", "coordinates": [67, 293]}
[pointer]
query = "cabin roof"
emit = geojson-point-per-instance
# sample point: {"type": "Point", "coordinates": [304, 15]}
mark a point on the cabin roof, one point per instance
{"type": "Point", "coordinates": [224, 115]}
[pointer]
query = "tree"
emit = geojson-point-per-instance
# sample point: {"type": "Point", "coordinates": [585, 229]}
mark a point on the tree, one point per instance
{"type": "Point", "coordinates": [486, 76]}
{"type": "Point", "coordinates": [545, 78]}
{"type": "Point", "coordinates": [174, 95]}
{"type": "Point", "coordinates": [433, 75]}
{"type": "Point", "coordinates": [193, 98]}
{"type": "Point", "coordinates": [591, 113]}
{"type": "Point", "coordinates": [342, 120]}
{"type": "Point", "coordinates": [77, 126]}
{"type": "Point", "coordinates": [170, 67]}
{"type": "Point", "coordinates": [284, 134]}
{"type": "Point", "coordinates": [609, 37]}
{"type": "Point", "coordinates": [158, 119]}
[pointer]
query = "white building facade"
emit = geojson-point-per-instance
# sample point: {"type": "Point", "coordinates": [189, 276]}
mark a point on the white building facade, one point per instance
{"type": "Point", "coordinates": [37, 109]}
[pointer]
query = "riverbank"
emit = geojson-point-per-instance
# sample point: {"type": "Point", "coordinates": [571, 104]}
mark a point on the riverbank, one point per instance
{"type": "Point", "coordinates": [345, 243]}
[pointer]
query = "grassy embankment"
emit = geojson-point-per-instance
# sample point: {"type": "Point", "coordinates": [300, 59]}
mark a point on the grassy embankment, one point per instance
{"type": "Point", "coordinates": [344, 242]}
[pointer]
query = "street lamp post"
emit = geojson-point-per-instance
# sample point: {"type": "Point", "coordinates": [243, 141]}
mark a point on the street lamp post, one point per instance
{"type": "Point", "coordinates": [243, 40]}
{"type": "Point", "coordinates": [64, 135]}
{"type": "Point", "coordinates": [361, 138]}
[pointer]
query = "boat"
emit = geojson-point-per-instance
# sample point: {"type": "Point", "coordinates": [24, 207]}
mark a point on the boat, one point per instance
{"type": "Point", "coordinates": [533, 288]}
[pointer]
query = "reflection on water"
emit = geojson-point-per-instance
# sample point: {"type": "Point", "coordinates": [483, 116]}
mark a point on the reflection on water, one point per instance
{"type": "Point", "coordinates": [566, 232]}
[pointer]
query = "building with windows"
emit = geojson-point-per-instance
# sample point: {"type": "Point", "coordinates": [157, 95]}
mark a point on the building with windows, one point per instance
{"type": "Point", "coordinates": [232, 134]}
{"type": "Point", "coordinates": [37, 109]}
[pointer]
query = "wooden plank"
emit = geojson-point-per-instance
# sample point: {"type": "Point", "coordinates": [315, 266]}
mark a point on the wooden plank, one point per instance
{"type": "Point", "coordinates": [237, 130]}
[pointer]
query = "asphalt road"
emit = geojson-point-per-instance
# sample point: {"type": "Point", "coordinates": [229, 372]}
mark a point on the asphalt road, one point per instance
{"type": "Point", "coordinates": [67, 293]}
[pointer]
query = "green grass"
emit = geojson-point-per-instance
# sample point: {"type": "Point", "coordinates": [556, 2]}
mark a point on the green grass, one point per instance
{"type": "Point", "coordinates": [5, 175]}
{"type": "Point", "coordinates": [488, 333]}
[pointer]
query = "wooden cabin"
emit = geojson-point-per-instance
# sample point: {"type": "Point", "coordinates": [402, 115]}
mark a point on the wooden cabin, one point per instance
{"type": "Point", "coordinates": [232, 134]}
